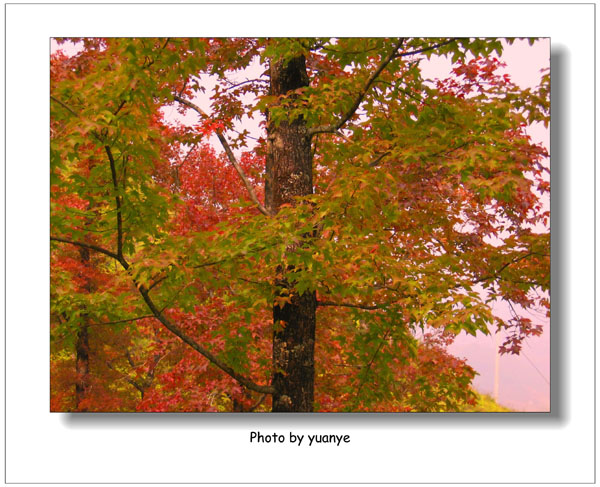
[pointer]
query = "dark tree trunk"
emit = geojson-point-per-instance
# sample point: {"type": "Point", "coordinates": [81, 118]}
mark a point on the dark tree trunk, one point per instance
{"type": "Point", "coordinates": [289, 174]}
{"type": "Point", "coordinates": [82, 352]}
{"type": "Point", "coordinates": [82, 347]}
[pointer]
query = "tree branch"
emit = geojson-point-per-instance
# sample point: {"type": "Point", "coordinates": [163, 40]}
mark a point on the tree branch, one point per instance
{"type": "Point", "coordinates": [349, 305]}
{"type": "Point", "coordinates": [368, 367]}
{"type": "Point", "coordinates": [230, 156]}
{"type": "Point", "coordinates": [235, 85]}
{"type": "Point", "coordinates": [104, 323]}
{"type": "Point", "coordinates": [497, 273]}
{"type": "Point", "coordinates": [378, 160]}
{"type": "Point", "coordinates": [157, 282]}
{"type": "Point", "coordinates": [61, 338]}
{"type": "Point", "coordinates": [174, 328]}
{"type": "Point", "coordinates": [257, 403]}
{"type": "Point", "coordinates": [86, 246]}
{"type": "Point", "coordinates": [140, 387]}
{"type": "Point", "coordinates": [66, 107]}
{"type": "Point", "coordinates": [359, 98]}
{"type": "Point", "coordinates": [121, 105]}
{"type": "Point", "coordinates": [425, 49]}
{"type": "Point", "coordinates": [200, 349]}
{"type": "Point", "coordinates": [337, 51]}
{"type": "Point", "coordinates": [113, 172]}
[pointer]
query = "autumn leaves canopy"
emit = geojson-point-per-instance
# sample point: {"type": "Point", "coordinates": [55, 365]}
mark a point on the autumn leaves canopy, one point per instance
{"type": "Point", "coordinates": [319, 261]}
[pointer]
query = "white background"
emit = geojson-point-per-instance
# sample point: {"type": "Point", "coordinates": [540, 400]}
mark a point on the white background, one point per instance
{"type": "Point", "coordinates": [44, 447]}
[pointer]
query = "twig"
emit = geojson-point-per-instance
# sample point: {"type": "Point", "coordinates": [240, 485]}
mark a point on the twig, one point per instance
{"type": "Point", "coordinates": [232, 85]}
{"type": "Point", "coordinates": [121, 105]}
{"type": "Point", "coordinates": [378, 160]}
{"type": "Point", "coordinates": [66, 107]}
{"type": "Point", "coordinates": [230, 156]}
{"type": "Point", "coordinates": [497, 273]}
{"type": "Point", "coordinates": [359, 98]}
{"type": "Point", "coordinates": [86, 246]}
{"type": "Point", "coordinates": [425, 49]}
{"type": "Point", "coordinates": [349, 305]}
{"type": "Point", "coordinates": [368, 368]}
{"type": "Point", "coordinates": [104, 323]}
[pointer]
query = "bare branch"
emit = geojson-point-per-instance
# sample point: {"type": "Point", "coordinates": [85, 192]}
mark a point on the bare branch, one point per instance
{"type": "Point", "coordinates": [359, 97]}
{"type": "Point", "coordinates": [230, 156]}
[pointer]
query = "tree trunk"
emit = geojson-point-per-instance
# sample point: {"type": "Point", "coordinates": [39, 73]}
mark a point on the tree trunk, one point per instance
{"type": "Point", "coordinates": [289, 174]}
{"type": "Point", "coordinates": [82, 351]}
{"type": "Point", "coordinates": [82, 347]}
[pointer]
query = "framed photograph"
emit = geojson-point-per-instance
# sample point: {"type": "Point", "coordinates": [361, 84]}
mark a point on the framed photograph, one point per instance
{"type": "Point", "coordinates": [285, 221]}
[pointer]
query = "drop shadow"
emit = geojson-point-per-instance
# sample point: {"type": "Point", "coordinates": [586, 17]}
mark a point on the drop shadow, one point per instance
{"type": "Point", "coordinates": [282, 421]}
{"type": "Point", "coordinates": [560, 202]}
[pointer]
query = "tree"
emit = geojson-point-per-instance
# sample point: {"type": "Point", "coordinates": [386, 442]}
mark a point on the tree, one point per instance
{"type": "Point", "coordinates": [375, 203]}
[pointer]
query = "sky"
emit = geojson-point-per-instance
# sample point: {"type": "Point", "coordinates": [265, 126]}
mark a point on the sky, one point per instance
{"type": "Point", "coordinates": [521, 382]}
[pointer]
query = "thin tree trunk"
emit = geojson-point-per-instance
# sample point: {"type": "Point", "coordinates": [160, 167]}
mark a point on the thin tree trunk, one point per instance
{"type": "Point", "coordinates": [289, 174]}
{"type": "Point", "coordinates": [82, 347]}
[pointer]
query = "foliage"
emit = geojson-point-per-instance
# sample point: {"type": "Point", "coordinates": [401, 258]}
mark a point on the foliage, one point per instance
{"type": "Point", "coordinates": [428, 207]}
{"type": "Point", "coordinates": [485, 404]}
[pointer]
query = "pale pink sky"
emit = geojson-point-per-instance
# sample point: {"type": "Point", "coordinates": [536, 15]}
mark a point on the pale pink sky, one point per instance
{"type": "Point", "coordinates": [523, 381]}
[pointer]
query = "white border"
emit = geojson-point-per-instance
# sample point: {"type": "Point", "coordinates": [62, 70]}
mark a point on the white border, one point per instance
{"type": "Point", "coordinates": [44, 447]}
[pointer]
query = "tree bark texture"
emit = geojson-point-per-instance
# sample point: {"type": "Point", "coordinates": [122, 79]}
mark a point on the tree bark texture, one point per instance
{"type": "Point", "coordinates": [289, 174]}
